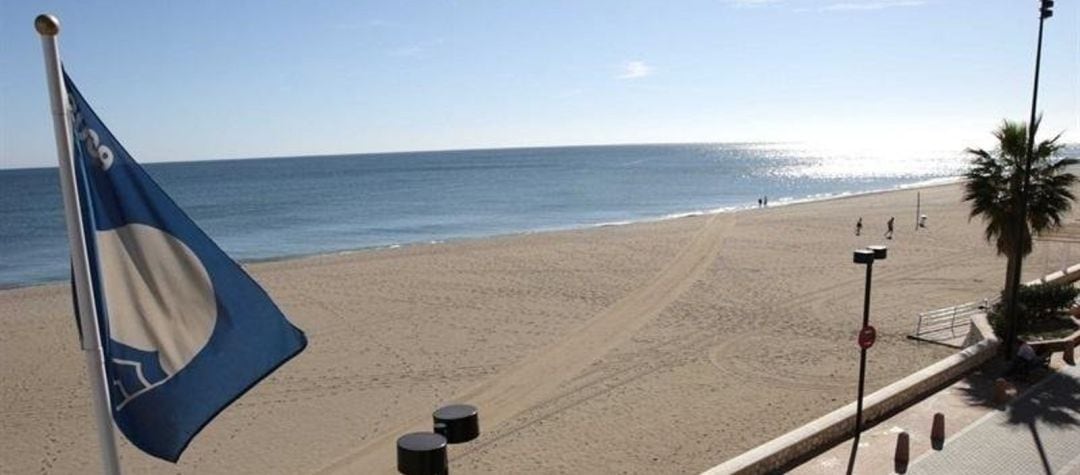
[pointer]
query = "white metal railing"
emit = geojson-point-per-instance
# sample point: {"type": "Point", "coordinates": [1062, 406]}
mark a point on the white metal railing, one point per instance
{"type": "Point", "coordinates": [951, 322]}
{"type": "Point", "coordinates": [945, 323]}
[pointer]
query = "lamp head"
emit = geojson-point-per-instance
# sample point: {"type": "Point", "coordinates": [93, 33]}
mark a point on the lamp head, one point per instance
{"type": "Point", "coordinates": [1046, 9]}
{"type": "Point", "coordinates": [863, 256]}
{"type": "Point", "coordinates": [880, 252]}
{"type": "Point", "coordinates": [47, 25]}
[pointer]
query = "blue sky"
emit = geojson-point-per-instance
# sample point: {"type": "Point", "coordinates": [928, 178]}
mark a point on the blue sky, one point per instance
{"type": "Point", "coordinates": [198, 80]}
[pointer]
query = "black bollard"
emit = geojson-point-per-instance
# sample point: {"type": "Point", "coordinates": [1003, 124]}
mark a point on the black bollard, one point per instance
{"type": "Point", "coordinates": [458, 423]}
{"type": "Point", "coordinates": [422, 453]}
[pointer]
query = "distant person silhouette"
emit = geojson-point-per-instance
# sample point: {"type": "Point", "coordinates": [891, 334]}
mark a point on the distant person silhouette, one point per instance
{"type": "Point", "coordinates": [858, 226]}
{"type": "Point", "coordinates": [759, 202]}
{"type": "Point", "coordinates": [889, 225]}
{"type": "Point", "coordinates": [765, 200]}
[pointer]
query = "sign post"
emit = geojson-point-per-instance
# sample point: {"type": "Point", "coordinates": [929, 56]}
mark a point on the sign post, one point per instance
{"type": "Point", "coordinates": [867, 336]}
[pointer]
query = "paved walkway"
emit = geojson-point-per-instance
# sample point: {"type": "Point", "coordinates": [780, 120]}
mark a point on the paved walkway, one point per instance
{"type": "Point", "coordinates": [1040, 429]}
{"type": "Point", "coordinates": [1038, 433]}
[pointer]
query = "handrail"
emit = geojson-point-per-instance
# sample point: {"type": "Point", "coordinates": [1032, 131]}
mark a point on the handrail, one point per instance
{"type": "Point", "coordinates": [949, 318]}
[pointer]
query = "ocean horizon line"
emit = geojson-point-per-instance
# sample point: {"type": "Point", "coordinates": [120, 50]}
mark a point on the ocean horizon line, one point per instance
{"type": "Point", "coordinates": [778, 202]}
{"type": "Point", "coordinates": [361, 155]}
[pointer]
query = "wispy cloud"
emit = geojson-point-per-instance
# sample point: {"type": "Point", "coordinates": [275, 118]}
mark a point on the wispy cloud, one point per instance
{"type": "Point", "coordinates": [373, 23]}
{"type": "Point", "coordinates": [635, 70]}
{"type": "Point", "coordinates": [753, 3]}
{"type": "Point", "coordinates": [380, 23]}
{"type": "Point", "coordinates": [874, 5]}
{"type": "Point", "coordinates": [827, 5]}
{"type": "Point", "coordinates": [406, 51]}
{"type": "Point", "coordinates": [416, 50]}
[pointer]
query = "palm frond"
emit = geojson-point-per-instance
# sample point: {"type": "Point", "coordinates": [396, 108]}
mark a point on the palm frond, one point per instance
{"type": "Point", "coordinates": [994, 179]}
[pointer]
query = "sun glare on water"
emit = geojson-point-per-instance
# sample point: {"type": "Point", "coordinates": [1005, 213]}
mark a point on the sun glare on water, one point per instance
{"type": "Point", "coordinates": [854, 161]}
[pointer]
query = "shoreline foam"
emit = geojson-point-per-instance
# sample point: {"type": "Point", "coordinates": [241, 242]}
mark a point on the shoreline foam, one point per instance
{"type": "Point", "coordinates": [781, 201]}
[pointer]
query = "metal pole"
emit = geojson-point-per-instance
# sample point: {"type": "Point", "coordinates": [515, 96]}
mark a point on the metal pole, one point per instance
{"type": "Point", "coordinates": [952, 321]}
{"type": "Point", "coordinates": [48, 27]}
{"type": "Point", "coordinates": [862, 372]}
{"type": "Point", "coordinates": [1012, 310]}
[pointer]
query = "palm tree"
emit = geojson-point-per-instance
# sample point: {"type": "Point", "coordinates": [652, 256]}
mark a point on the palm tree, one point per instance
{"type": "Point", "coordinates": [993, 185]}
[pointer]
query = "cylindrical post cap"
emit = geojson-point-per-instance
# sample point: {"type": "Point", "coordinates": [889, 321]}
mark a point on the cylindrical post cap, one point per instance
{"type": "Point", "coordinates": [863, 256]}
{"type": "Point", "coordinates": [880, 252]}
{"type": "Point", "coordinates": [458, 422]}
{"type": "Point", "coordinates": [422, 453]}
{"type": "Point", "coordinates": [47, 25]}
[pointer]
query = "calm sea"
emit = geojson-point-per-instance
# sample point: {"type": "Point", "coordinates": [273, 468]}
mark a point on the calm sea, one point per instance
{"type": "Point", "coordinates": [267, 208]}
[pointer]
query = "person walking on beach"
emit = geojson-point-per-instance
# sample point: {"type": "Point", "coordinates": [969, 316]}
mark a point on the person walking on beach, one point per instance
{"type": "Point", "coordinates": [889, 225]}
{"type": "Point", "coordinates": [759, 202]}
{"type": "Point", "coordinates": [765, 201]}
{"type": "Point", "coordinates": [858, 226]}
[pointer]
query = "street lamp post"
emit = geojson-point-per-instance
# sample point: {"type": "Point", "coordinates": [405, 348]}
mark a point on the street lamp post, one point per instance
{"type": "Point", "coordinates": [867, 335]}
{"type": "Point", "coordinates": [1011, 308]}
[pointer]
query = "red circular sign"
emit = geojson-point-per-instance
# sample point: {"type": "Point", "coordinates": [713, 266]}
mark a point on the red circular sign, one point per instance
{"type": "Point", "coordinates": [867, 336]}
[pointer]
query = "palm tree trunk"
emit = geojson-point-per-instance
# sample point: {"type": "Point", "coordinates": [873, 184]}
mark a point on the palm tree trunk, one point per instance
{"type": "Point", "coordinates": [1011, 323]}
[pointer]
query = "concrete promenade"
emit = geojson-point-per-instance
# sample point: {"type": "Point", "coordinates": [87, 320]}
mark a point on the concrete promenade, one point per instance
{"type": "Point", "coordinates": [1037, 433]}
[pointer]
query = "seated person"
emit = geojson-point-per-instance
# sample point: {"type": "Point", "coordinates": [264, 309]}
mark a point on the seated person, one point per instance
{"type": "Point", "coordinates": [1026, 360]}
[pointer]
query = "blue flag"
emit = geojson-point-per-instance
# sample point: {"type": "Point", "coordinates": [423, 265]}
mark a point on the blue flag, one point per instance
{"type": "Point", "coordinates": [184, 330]}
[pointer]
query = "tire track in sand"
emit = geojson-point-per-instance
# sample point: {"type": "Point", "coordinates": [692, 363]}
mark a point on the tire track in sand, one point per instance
{"type": "Point", "coordinates": [534, 380]}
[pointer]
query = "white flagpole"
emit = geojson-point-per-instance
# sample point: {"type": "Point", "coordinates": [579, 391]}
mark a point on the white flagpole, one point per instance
{"type": "Point", "coordinates": [48, 27]}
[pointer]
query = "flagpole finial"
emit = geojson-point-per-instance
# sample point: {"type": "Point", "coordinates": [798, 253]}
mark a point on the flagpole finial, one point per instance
{"type": "Point", "coordinates": [47, 25]}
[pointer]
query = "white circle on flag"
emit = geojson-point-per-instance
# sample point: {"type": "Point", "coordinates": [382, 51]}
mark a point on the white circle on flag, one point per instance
{"type": "Point", "coordinates": [158, 294]}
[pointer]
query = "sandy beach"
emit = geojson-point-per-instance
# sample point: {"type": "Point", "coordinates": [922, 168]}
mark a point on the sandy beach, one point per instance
{"type": "Point", "coordinates": [663, 347]}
